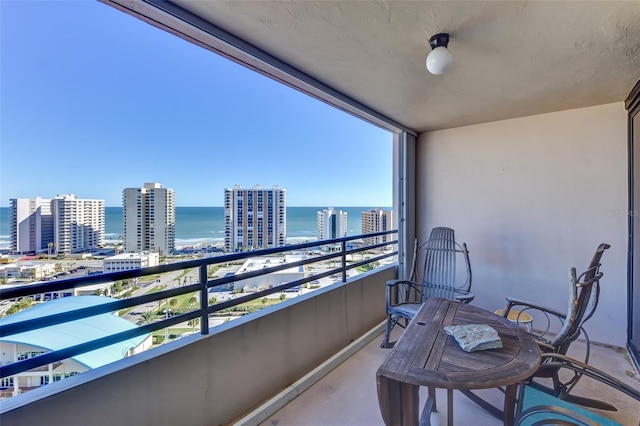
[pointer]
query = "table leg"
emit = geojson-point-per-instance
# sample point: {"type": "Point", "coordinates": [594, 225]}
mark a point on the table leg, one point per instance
{"type": "Point", "coordinates": [449, 407]}
{"type": "Point", "coordinates": [432, 395]}
{"type": "Point", "coordinates": [399, 402]}
{"type": "Point", "coordinates": [510, 396]}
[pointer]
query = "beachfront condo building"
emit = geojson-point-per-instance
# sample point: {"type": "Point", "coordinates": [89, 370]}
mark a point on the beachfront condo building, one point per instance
{"type": "Point", "coordinates": [78, 224]}
{"type": "Point", "coordinates": [64, 224]}
{"type": "Point", "coordinates": [331, 224]}
{"type": "Point", "coordinates": [254, 218]}
{"type": "Point", "coordinates": [149, 219]}
{"type": "Point", "coordinates": [31, 225]}
{"type": "Point", "coordinates": [376, 220]}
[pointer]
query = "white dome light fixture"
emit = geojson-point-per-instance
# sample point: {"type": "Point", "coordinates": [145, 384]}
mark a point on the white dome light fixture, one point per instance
{"type": "Point", "coordinates": [439, 59]}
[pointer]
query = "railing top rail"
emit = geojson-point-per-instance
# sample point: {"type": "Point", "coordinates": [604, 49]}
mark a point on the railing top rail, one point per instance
{"type": "Point", "coordinates": [71, 283]}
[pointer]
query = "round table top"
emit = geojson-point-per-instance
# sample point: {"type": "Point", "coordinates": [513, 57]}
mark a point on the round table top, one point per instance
{"type": "Point", "coordinates": [426, 356]}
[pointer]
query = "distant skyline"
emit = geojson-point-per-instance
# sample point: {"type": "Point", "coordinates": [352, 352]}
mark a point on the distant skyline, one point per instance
{"type": "Point", "coordinates": [94, 101]}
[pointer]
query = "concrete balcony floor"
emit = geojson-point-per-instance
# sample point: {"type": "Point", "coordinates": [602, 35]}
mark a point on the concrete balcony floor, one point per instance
{"type": "Point", "coordinates": [347, 395]}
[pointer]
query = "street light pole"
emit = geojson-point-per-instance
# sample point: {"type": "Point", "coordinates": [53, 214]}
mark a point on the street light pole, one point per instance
{"type": "Point", "coordinates": [166, 329]}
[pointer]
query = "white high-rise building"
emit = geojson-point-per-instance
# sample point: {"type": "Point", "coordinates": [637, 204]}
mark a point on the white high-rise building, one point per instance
{"type": "Point", "coordinates": [31, 225]}
{"type": "Point", "coordinates": [254, 218]}
{"type": "Point", "coordinates": [78, 224]}
{"type": "Point", "coordinates": [376, 220]}
{"type": "Point", "coordinates": [149, 219]}
{"type": "Point", "coordinates": [332, 224]}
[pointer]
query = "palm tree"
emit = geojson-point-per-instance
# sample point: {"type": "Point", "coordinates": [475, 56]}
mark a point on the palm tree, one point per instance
{"type": "Point", "coordinates": [192, 301]}
{"type": "Point", "coordinates": [146, 317]}
{"type": "Point", "coordinates": [193, 323]}
{"type": "Point", "coordinates": [173, 302]}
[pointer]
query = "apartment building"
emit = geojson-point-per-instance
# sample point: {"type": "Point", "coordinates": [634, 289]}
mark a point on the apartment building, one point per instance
{"type": "Point", "coordinates": [31, 225]}
{"type": "Point", "coordinates": [149, 219]}
{"type": "Point", "coordinates": [331, 224]}
{"type": "Point", "coordinates": [254, 218]}
{"type": "Point", "coordinates": [78, 224]}
{"type": "Point", "coordinates": [64, 224]}
{"type": "Point", "coordinates": [376, 220]}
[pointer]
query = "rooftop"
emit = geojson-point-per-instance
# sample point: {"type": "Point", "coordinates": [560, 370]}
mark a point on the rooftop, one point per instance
{"type": "Point", "coordinates": [72, 333]}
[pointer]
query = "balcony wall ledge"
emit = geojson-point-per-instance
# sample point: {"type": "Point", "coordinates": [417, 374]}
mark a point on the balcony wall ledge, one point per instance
{"type": "Point", "coordinates": [223, 377]}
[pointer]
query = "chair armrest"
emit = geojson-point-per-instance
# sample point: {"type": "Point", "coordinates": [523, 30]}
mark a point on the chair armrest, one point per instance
{"type": "Point", "coordinates": [392, 283]}
{"type": "Point", "coordinates": [545, 347]}
{"type": "Point", "coordinates": [393, 296]}
{"type": "Point", "coordinates": [511, 302]}
{"type": "Point", "coordinates": [545, 332]}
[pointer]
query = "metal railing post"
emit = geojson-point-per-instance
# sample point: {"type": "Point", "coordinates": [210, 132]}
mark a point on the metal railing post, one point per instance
{"type": "Point", "coordinates": [343, 246]}
{"type": "Point", "coordinates": [204, 301]}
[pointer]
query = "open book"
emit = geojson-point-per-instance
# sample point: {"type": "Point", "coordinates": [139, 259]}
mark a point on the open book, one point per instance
{"type": "Point", "coordinates": [474, 337]}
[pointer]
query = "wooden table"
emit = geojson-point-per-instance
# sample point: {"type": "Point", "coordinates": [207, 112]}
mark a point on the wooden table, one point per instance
{"type": "Point", "coordinates": [426, 356]}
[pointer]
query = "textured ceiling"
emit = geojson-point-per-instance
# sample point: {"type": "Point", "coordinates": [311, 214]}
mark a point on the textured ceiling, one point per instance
{"type": "Point", "coordinates": [511, 59]}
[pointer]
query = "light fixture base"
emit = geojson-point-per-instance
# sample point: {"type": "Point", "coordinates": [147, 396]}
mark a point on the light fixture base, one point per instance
{"type": "Point", "coordinates": [441, 39]}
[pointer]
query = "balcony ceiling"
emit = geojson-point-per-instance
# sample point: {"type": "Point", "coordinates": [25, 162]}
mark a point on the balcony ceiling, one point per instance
{"type": "Point", "coordinates": [511, 59]}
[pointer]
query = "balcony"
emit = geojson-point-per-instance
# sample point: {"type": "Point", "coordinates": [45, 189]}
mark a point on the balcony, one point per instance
{"type": "Point", "coordinates": [309, 360]}
{"type": "Point", "coordinates": [524, 147]}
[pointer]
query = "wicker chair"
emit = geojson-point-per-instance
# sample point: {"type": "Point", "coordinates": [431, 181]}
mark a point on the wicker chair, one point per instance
{"type": "Point", "coordinates": [441, 268]}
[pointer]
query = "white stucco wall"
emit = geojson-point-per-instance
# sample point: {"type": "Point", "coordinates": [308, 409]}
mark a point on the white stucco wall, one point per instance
{"type": "Point", "coordinates": [532, 197]}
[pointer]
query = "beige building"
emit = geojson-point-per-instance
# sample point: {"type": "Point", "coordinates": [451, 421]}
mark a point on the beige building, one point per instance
{"type": "Point", "coordinates": [78, 224]}
{"type": "Point", "coordinates": [27, 270]}
{"type": "Point", "coordinates": [149, 219]}
{"type": "Point", "coordinates": [376, 220]}
{"type": "Point", "coordinates": [31, 225]}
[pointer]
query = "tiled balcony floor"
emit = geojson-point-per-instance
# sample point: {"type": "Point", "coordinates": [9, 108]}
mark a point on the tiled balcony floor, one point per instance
{"type": "Point", "coordinates": [347, 395]}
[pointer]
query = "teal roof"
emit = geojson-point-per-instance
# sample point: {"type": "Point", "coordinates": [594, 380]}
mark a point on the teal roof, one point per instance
{"type": "Point", "coordinates": [61, 336]}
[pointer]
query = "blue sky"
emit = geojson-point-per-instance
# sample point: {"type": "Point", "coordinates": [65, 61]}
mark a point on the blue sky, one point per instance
{"type": "Point", "coordinates": [94, 101]}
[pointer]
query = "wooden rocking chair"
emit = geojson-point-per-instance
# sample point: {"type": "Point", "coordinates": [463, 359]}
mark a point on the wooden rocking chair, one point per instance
{"type": "Point", "coordinates": [441, 268]}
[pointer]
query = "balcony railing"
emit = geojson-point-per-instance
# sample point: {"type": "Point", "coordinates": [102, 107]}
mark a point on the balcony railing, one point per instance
{"type": "Point", "coordinates": [203, 286]}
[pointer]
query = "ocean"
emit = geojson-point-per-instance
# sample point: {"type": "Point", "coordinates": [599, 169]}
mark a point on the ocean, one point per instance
{"type": "Point", "coordinates": [205, 225]}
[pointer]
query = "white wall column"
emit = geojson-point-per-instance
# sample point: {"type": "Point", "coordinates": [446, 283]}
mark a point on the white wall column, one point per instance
{"type": "Point", "coordinates": [404, 199]}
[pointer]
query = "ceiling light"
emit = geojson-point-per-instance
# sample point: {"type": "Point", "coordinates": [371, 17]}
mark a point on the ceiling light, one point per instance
{"type": "Point", "coordinates": [439, 59]}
